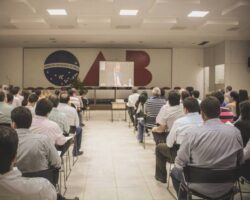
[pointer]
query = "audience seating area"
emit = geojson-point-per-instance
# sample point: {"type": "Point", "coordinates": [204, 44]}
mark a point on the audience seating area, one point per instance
{"type": "Point", "coordinates": [172, 127]}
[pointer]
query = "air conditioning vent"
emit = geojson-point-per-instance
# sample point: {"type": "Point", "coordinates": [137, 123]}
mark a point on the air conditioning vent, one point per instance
{"type": "Point", "coordinates": [203, 43]}
{"type": "Point", "coordinates": [123, 27]}
{"type": "Point", "coordinates": [178, 28]}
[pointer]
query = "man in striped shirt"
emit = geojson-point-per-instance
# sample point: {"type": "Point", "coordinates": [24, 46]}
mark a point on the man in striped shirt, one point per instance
{"type": "Point", "coordinates": [152, 108]}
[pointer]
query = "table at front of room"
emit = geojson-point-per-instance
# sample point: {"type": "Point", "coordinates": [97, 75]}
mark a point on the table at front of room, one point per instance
{"type": "Point", "coordinates": [118, 106]}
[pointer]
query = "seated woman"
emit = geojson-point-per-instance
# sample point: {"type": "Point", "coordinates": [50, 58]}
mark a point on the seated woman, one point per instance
{"type": "Point", "coordinates": [233, 104]}
{"type": "Point", "coordinates": [243, 124]}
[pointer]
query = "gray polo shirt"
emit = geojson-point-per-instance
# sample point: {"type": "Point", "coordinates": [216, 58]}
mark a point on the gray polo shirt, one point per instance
{"type": "Point", "coordinates": [213, 145]}
{"type": "Point", "coordinates": [35, 152]}
{"type": "Point", "coordinates": [5, 112]}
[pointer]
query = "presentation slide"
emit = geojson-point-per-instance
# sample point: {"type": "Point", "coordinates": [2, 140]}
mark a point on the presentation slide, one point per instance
{"type": "Point", "coordinates": [116, 74]}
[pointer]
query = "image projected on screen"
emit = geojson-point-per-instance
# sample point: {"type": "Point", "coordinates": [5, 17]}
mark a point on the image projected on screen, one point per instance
{"type": "Point", "coordinates": [116, 74]}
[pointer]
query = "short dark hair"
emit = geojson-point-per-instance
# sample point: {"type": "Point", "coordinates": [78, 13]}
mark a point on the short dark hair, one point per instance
{"type": "Point", "coordinates": [229, 88]}
{"type": "Point", "coordinates": [210, 106]}
{"type": "Point", "coordinates": [70, 92]}
{"type": "Point", "coordinates": [15, 90]}
{"type": "Point", "coordinates": [64, 97]}
{"type": "Point", "coordinates": [196, 94]}
{"type": "Point", "coordinates": [191, 104]}
{"type": "Point", "coordinates": [22, 117]}
{"type": "Point", "coordinates": [38, 92]}
{"type": "Point", "coordinates": [174, 98]}
{"type": "Point", "coordinates": [2, 96]}
{"type": "Point", "coordinates": [184, 94]}
{"type": "Point", "coordinates": [54, 100]}
{"type": "Point", "coordinates": [245, 110]}
{"type": "Point", "coordinates": [219, 96]}
{"type": "Point", "coordinates": [162, 92]}
{"type": "Point", "coordinates": [33, 98]}
{"type": "Point", "coordinates": [243, 95]}
{"type": "Point", "coordinates": [8, 148]}
{"type": "Point", "coordinates": [10, 97]}
{"type": "Point", "coordinates": [234, 95]}
{"type": "Point", "coordinates": [43, 107]}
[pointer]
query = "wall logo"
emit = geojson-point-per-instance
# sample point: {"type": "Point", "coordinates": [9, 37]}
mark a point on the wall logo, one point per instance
{"type": "Point", "coordinates": [61, 68]}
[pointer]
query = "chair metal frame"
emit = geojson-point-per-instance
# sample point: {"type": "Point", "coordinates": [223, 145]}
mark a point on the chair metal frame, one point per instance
{"type": "Point", "coordinates": [193, 174]}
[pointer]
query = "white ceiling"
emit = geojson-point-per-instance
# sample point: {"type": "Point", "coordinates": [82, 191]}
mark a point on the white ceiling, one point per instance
{"type": "Point", "coordinates": [96, 23]}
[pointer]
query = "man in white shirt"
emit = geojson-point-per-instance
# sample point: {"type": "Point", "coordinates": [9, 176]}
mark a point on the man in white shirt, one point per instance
{"type": "Point", "coordinates": [73, 121]}
{"type": "Point", "coordinates": [196, 94]}
{"type": "Point", "coordinates": [5, 110]}
{"type": "Point", "coordinates": [17, 101]}
{"type": "Point", "coordinates": [167, 152]}
{"type": "Point", "coordinates": [42, 125]}
{"type": "Point", "coordinates": [171, 111]}
{"type": "Point", "coordinates": [12, 184]}
{"type": "Point", "coordinates": [132, 99]}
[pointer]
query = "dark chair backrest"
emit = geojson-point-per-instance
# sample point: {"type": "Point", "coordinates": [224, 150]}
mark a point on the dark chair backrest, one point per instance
{"type": "Point", "coordinates": [150, 122]}
{"type": "Point", "coordinates": [64, 148]}
{"type": "Point", "coordinates": [51, 174]}
{"type": "Point", "coordinates": [205, 175]}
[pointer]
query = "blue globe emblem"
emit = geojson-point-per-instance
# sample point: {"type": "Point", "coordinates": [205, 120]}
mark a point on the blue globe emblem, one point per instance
{"type": "Point", "coordinates": [61, 68]}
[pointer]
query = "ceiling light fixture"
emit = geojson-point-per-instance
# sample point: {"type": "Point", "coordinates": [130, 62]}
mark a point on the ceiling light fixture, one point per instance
{"type": "Point", "coordinates": [198, 13]}
{"type": "Point", "coordinates": [57, 11]}
{"type": "Point", "coordinates": [128, 12]}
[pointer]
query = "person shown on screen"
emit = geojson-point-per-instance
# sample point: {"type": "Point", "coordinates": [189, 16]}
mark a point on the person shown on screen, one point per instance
{"type": "Point", "coordinates": [117, 75]}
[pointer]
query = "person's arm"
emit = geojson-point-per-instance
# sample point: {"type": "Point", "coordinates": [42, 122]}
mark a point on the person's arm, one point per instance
{"type": "Point", "coordinates": [171, 138]}
{"type": "Point", "coordinates": [159, 129]}
{"type": "Point", "coordinates": [77, 123]}
{"type": "Point", "coordinates": [184, 154]}
{"type": "Point", "coordinates": [53, 157]}
{"type": "Point", "coordinates": [60, 138]}
{"type": "Point", "coordinates": [247, 151]}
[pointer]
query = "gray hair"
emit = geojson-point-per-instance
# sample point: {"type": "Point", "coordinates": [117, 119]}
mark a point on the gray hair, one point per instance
{"type": "Point", "coordinates": [156, 91]}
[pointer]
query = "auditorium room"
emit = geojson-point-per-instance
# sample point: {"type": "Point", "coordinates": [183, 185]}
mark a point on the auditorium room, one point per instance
{"type": "Point", "coordinates": [124, 99]}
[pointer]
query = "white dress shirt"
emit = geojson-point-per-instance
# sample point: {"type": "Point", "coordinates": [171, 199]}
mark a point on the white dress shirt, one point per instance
{"type": "Point", "coordinates": [168, 114]}
{"type": "Point", "coordinates": [71, 114]}
{"type": "Point", "coordinates": [16, 101]}
{"type": "Point", "coordinates": [42, 125]}
{"type": "Point", "coordinates": [132, 99]}
{"type": "Point", "coordinates": [181, 126]}
{"type": "Point", "coordinates": [15, 187]}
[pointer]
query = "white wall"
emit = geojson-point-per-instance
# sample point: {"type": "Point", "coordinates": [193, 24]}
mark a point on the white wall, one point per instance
{"type": "Point", "coordinates": [188, 68]}
{"type": "Point", "coordinates": [11, 61]}
{"type": "Point", "coordinates": [237, 73]}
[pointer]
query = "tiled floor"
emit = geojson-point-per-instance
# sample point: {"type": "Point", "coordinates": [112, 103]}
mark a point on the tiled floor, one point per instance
{"type": "Point", "coordinates": [114, 165]}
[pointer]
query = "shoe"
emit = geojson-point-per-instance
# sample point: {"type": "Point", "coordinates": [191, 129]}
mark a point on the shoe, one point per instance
{"type": "Point", "coordinates": [140, 141]}
{"type": "Point", "coordinates": [160, 179]}
{"type": "Point", "coordinates": [78, 154]}
{"type": "Point", "coordinates": [82, 124]}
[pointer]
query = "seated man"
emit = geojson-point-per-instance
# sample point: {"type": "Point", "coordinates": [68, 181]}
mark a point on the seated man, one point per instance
{"type": "Point", "coordinates": [132, 99]}
{"type": "Point", "coordinates": [167, 152]}
{"type": "Point", "coordinates": [17, 97]}
{"type": "Point", "coordinates": [73, 121]}
{"type": "Point", "coordinates": [225, 114]}
{"type": "Point", "coordinates": [166, 117]}
{"type": "Point", "coordinates": [12, 184]}
{"type": "Point", "coordinates": [42, 125]}
{"type": "Point", "coordinates": [212, 145]}
{"type": "Point", "coordinates": [35, 152]}
{"type": "Point", "coordinates": [59, 117]}
{"type": "Point", "coordinates": [196, 95]}
{"type": "Point", "coordinates": [32, 99]}
{"type": "Point", "coordinates": [5, 110]}
{"type": "Point", "coordinates": [152, 108]}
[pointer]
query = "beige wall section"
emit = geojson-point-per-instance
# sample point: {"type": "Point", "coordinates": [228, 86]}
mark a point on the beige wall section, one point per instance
{"type": "Point", "coordinates": [188, 68]}
{"type": "Point", "coordinates": [11, 61]}
{"type": "Point", "coordinates": [237, 73]}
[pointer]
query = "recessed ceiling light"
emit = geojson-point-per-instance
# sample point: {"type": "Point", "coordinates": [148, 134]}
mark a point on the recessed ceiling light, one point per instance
{"type": "Point", "coordinates": [128, 12]}
{"type": "Point", "coordinates": [57, 11]}
{"type": "Point", "coordinates": [198, 13]}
